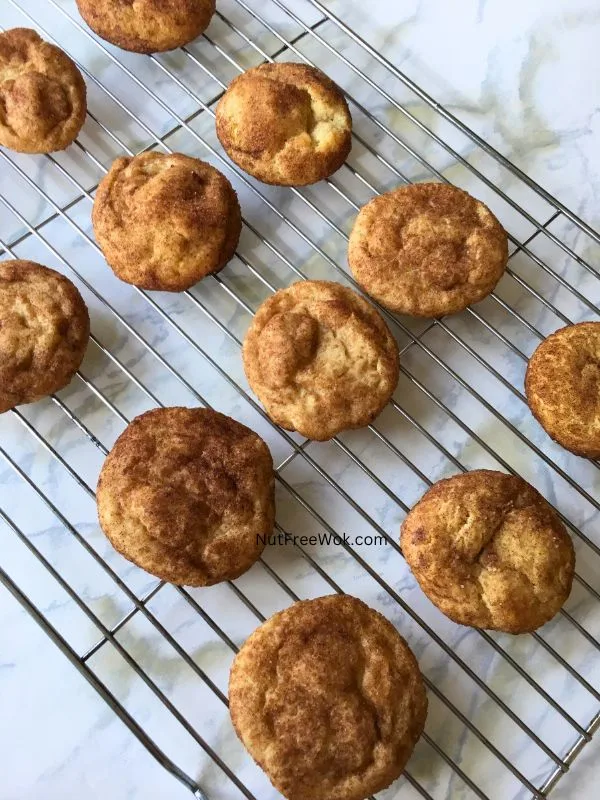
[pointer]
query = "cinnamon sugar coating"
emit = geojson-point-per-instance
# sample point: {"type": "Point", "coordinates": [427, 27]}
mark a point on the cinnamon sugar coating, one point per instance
{"type": "Point", "coordinates": [328, 699]}
{"type": "Point", "coordinates": [427, 250]}
{"type": "Point", "coordinates": [188, 495]}
{"type": "Point", "coordinates": [285, 124]}
{"type": "Point", "coordinates": [489, 551]}
{"type": "Point", "coordinates": [42, 94]}
{"type": "Point", "coordinates": [321, 359]}
{"type": "Point", "coordinates": [166, 221]}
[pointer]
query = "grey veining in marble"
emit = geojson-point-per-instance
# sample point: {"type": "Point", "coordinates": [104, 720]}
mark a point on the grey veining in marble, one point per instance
{"type": "Point", "coordinates": [524, 77]}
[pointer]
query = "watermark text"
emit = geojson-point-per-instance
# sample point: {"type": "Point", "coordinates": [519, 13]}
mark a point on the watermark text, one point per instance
{"type": "Point", "coordinates": [335, 539]}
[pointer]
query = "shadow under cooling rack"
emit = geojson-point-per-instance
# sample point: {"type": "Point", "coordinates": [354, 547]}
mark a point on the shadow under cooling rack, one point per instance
{"type": "Point", "coordinates": [508, 715]}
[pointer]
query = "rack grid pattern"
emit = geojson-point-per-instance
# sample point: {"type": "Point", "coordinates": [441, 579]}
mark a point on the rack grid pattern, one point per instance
{"type": "Point", "coordinates": [506, 716]}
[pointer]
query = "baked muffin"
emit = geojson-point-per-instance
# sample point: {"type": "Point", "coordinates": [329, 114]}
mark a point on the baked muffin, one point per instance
{"type": "Point", "coordinates": [427, 250]}
{"type": "Point", "coordinates": [563, 387]}
{"type": "Point", "coordinates": [44, 332]}
{"type": "Point", "coordinates": [489, 551]}
{"type": "Point", "coordinates": [147, 26]}
{"type": "Point", "coordinates": [286, 124]}
{"type": "Point", "coordinates": [42, 94]}
{"type": "Point", "coordinates": [166, 221]}
{"type": "Point", "coordinates": [320, 359]}
{"type": "Point", "coordinates": [187, 494]}
{"type": "Point", "coordinates": [328, 699]}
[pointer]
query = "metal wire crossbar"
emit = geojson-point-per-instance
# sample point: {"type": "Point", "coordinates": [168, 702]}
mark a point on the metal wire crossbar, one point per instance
{"type": "Point", "coordinates": [508, 716]}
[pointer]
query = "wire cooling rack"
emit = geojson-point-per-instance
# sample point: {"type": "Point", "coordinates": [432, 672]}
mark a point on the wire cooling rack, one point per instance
{"type": "Point", "coordinates": [508, 715]}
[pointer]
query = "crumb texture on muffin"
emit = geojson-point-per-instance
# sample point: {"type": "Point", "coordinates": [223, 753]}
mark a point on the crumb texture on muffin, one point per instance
{"type": "Point", "coordinates": [328, 699]}
{"type": "Point", "coordinates": [285, 124]}
{"type": "Point", "coordinates": [166, 221]}
{"type": "Point", "coordinates": [321, 359]}
{"type": "Point", "coordinates": [563, 387]}
{"type": "Point", "coordinates": [185, 493]}
{"type": "Point", "coordinates": [489, 551]}
{"type": "Point", "coordinates": [147, 26]}
{"type": "Point", "coordinates": [44, 332]}
{"type": "Point", "coordinates": [427, 250]}
{"type": "Point", "coordinates": [42, 94]}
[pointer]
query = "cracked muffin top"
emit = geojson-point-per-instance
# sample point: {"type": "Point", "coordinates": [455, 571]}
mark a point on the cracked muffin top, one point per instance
{"type": "Point", "coordinates": [320, 359]}
{"type": "Point", "coordinates": [427, 250]}
{"type": "Point", "coordinates": [42, 94]}
{"type": "Point", "coordinates": [166, 221]}
{"type": "Point", "coordinates": [44, 332]}
{"type": "Point", "coordinates": [185, 493]}
{"type": "Point", "coordinates": [147, 26]}
{"type": "Point", "coordinates": [563, 387]}
{"type": "Point", "coordinates": [328, 699]}
{"type": "Point", "coordinates": [489, 551]}
{"type": "Point", "coordinates": [286, 124]}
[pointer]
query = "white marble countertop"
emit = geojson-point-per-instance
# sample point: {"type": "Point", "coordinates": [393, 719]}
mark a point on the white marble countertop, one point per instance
{"type": "Point", "coordinates": [524, 76]}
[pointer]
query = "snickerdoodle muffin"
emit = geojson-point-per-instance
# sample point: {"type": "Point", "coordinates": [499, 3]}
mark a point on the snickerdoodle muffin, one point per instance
{"type": "Point", "coordinates": [489, 551]}
{"type": "Point", "coordinates": [427, 250]}
{"type": "Point", "coordinates": [187, 494]}
{"type": "Point", "coordinates": [321, 359]}
{"type": "Point", "coordinates": [328, 699]}
{"type": "Point", "coordinates": [166, 221]}
{"type": "Point", "coordinates": [286, 124]}
{"type": "Point", "coordinates": [147, 26]}
{"type": "Point", "coordinates": [44, 332]}
{"type": "Point", "coordinates": [563, 387]}
{"type": "Point", "coordinates": [42, 94]}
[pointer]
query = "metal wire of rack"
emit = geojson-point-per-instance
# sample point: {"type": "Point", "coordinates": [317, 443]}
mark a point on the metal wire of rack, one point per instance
{"type": "Point", "coordinates": [508, 716]}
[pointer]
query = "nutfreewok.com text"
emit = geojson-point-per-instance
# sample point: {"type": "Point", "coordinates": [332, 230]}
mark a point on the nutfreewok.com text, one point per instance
{"type": "Point", "coordinates": [306, 540]}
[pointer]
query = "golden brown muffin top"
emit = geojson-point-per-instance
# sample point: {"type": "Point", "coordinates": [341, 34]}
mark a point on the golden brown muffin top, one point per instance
{"type": "Point", "coordinates": [563, 387]}
{"type": "Point", "coordinates": [427, 250]}
{"type": "Point", "coordinates": [147, 26]}
{"type": "Point", "coordinates": [42, 94]}
{"type": "Point", "coordinates": [285, 124]}
{"type": "Point", "coordinates": [320, 358]}
{"type": "Point", "coordinates": [166, 221]}
{"type": "Point", "coordinates": [185, 493]}
{"type": "Point", "coordinates": [44, 331]}
{"type": "Point", "coordinates": [328, 699]}
{"type": "Point", "coordinates": [489, 551]}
